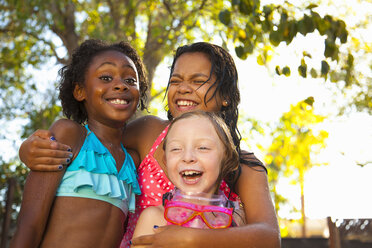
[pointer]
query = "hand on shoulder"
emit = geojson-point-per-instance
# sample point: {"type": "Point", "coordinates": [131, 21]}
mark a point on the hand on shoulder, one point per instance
{"type": "Point", "coordinates": [69, 133]}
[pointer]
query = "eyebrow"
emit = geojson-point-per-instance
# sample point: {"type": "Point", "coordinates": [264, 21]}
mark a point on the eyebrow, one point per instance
{"type": "Point", "coordinates": [113, 64]}
{"type": "Point", "coordinates": [192, 76]}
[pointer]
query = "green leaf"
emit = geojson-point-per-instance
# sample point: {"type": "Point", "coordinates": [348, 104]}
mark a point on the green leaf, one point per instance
{"type": "Point", "coordinates": [324, 68]}
{"type": "Point", "coordinates": [311, 6]}
{"type": "Point", "coordinates": [225, 17]}
{"type": "Point", "coordinates": [245, 7]}
{"type": "Point", "coordinates": [274, 38]}
{"type": "Point", "coordinates": [286, 71]}
{"type": "Point", "coordinates": [239, 50]}
{"type": "Point", "coordinates": [330, 48]}
{"type": "Point", "coordinates": [277, 70]}
{"type": "Point", "coordinates": [302, 70]}
{"type": "Point", "coordinates": [260, 60]}
{"type": "Point", "coordinates": [313, 73]}
{"type": "Point", "coordinates": [309, 101]}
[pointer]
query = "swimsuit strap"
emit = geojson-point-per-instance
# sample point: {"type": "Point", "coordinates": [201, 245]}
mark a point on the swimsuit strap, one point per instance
{"type": "Point", "coordinates": [88, 130]}
{"type": "Point", "coordinates": [158, 141]}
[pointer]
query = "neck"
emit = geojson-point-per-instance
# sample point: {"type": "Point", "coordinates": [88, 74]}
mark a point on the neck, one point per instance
{"type": "Point", "coordinates": [107, 134]}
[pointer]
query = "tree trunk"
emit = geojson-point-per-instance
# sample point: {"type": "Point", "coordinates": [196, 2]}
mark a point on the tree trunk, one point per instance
{"type": "Point", "coordinates": [303, 205]}
{"type": "Point", "coordinates": [8, 212]}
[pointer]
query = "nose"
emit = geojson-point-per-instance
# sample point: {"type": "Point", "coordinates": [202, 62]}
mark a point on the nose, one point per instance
{"type": "Point", "coordinates": [184, 87]}
{"type": "Point", "coordinates": [189, 156]}
{"type": "Point", "coordinates": [120, 85]}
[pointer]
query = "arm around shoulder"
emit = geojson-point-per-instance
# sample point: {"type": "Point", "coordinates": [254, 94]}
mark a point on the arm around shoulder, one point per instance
{"type": "Point", "coordinates": [69, 132]}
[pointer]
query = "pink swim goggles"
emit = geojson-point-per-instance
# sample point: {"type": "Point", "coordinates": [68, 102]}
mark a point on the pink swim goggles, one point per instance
{"type": "Point", "coordinates": [197, 211]}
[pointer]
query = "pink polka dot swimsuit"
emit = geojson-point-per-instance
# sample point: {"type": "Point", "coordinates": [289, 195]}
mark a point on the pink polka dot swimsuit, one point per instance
{"type": "Point", "coordinates": [153, 184]}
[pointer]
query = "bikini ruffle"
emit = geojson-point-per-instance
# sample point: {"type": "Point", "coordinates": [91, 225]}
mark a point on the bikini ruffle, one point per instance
{"type": "Point", "coordinates": [94, 166]}
{"type": "Point", "coordinates": [101, 184]}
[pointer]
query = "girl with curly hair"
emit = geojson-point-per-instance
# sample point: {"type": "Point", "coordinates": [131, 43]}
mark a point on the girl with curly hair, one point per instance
{"type": "Point", "coordinates": [87, 203]}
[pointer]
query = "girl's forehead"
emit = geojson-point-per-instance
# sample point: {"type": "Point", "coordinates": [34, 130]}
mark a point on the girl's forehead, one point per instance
{"type": "Point", "coordinates": [193, 61]}
{"type": "Point", "coordinates": [193, 124]}
{"type": "Point", "coordinates": [114, 57]}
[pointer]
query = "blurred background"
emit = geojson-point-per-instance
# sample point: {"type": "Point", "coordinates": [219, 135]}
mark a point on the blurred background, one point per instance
{"type": "Point", "coordinates": [305, 75]}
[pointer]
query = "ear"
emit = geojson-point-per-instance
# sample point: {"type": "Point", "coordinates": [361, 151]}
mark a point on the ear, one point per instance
{"type": "Point", "coordinates": [79, 92]}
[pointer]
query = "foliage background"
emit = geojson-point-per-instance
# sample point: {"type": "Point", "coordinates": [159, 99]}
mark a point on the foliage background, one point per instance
{"type": "Point", "coordinates": [42, 34]}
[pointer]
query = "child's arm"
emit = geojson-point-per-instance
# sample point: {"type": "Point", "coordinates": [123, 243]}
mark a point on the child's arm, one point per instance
{"type": "Point", "coordinates": [38, 196]}
{"type": "Point", "coordinates": [41, 153]}
{"type": "Point", "coordinates": [39, 193]}
{"type": "Point", "coordinates": [149, 217]}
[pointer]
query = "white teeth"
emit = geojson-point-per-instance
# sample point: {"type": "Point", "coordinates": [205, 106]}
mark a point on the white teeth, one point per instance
{"type": "Point", "coordinates": [185, 103]}
{"type": "Point", "coordinates": [118, 101]}
{"type": "Point", "coordinates": [190, 173]}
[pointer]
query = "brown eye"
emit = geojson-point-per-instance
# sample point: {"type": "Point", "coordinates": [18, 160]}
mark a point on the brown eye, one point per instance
{"type": "Point", "coordinates": [106, 78]}
{"type": "Point", "coordinates": [130, 81]}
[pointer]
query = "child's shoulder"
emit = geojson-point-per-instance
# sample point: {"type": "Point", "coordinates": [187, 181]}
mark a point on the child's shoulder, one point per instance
{"type": "Point", "coordinates": [150, 217]}
{"type": "Point", "coordinates": [148, 122]}
{"type": "Point", "coordinates": [153, 215]}
{"type": "Point", "coordinates": [141, 133]}
{"type": "Point", "coordinates": [68, 132]}
{"type": "Point", "coordinates": [152, 211]}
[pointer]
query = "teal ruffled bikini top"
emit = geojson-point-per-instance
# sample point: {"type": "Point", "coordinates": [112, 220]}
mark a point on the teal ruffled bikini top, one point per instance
{"type": "Point", "coordinates": [93, 174]}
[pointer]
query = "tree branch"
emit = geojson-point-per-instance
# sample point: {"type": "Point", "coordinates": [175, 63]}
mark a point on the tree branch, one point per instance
{"type": "Point", "coordinates": [168, 8]}
{"type": "Point", "coordinates": [67, 34]}
{"type": "Point", "coordinates": [49, 43]}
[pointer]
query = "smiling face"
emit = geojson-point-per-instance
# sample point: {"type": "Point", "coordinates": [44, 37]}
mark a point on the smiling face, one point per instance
{"type": "Point", "coordinates": [189, 85]}
{"type": "Point", "coordinates": [193, 155]}
{"type": "Point", "coordinates": [111, 89]}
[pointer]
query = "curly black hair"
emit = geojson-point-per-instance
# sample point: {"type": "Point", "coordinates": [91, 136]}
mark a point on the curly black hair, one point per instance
{"type": "Point", "coordinates": [74, 73]}
{"type": "Point", "coordinates": [223, 67]}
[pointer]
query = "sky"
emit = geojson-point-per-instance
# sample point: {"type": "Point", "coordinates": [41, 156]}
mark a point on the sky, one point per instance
{"type": "Point", "coordinates": [340, 189]}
